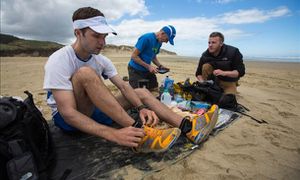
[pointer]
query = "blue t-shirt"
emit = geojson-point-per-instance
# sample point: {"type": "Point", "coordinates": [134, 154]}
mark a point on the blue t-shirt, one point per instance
{"type": "Point", "coordinates": [149, 47]}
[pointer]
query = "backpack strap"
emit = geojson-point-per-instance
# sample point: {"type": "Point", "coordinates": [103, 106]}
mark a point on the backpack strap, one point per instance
{"type": "Point", "coordinates": [253, 118]}
{"type": "Point", "coordinates": [34, 111]}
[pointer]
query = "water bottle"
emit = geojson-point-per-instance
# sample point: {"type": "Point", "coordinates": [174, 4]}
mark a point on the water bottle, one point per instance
{"type": "Point", "coordinates": [163, 82]}
{"type": "Point", "coordinates": [168, 82]}
{"type": "Point", "coordinates": [161, 90]}
{"type": "Point", "coordinates": [166, 98]}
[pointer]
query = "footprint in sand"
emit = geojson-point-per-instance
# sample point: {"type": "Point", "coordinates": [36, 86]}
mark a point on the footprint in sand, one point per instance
{"type": "Point", "coordinates": [284, 114]}
{"type": "Point", "coordinates": [287, 114]}
{"type": "Point", "coordinates": [282, 102]}
{"type": "Point", "coordinates": [240, 158]}
{"type": "Point", "coordinates": [281, 137]}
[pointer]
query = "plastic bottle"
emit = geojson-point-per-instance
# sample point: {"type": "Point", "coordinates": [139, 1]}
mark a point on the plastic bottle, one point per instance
{"type": "Point", "coordinates": [166, 98]}
{"type": "Point", "coordinates": [168, 82]}
{"type": "Point", "coordinates": [168, 85]}
{"type": "Point", "coordinates": [161, 90]}
{"type": "Point", "coordinates": [163, 82]}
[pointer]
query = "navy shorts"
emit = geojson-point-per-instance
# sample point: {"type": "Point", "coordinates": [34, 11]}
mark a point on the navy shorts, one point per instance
{"type": "Point", "coordinates": [135, 76]}
{"type": "Point", "coordinates": [97, 115]}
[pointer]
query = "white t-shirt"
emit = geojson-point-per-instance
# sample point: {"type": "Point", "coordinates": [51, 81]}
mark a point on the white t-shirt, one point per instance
{"type": "Point", "coordinates": [63, 63]}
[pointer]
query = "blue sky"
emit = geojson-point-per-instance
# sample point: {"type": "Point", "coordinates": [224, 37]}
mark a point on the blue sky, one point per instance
{"type": "Point", "coordinates": [259, 28]}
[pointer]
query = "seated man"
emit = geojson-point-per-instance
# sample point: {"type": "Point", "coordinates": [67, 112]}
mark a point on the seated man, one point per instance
{"type": "Point", "coordinates": [222, 63]}
{"type": "Point", "coordinates": [78, 96]}
{"type": "Point", "coordinates": [145, 52]}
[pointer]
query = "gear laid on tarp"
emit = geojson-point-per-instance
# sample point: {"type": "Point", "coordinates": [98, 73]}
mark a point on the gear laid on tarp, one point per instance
{"type": "Point", "coordinates": [89, 157]}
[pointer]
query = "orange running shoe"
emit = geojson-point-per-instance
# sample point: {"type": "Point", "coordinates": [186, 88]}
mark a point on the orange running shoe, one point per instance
{"type": "Point", "coordinates": [203, 125]}
{"type": "Point", "coordinates": [157, 140]}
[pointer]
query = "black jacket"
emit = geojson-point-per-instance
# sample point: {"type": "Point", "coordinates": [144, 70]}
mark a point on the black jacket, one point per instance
{"type": "Point", "coordinates": [229, 59]}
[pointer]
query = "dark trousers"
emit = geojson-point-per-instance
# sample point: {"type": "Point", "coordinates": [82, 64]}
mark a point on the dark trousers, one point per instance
{"type": "Point", "coordinates": [136, 77]}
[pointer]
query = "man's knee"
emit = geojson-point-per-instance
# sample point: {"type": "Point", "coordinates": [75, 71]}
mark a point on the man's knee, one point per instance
{"type": "Point", "coordinates": [84, 74]}
{"type": "Point", "coordinates": [207, 68]}
{"type": "Point", "coordinates": [207, 71]}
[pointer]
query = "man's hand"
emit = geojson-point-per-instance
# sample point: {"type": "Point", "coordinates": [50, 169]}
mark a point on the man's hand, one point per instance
{"type": "Point", "coordinates": [128, 136]}
{"type": "Point", "coordinates": [200, 78]}
{"type": "Point", "coordinates": [148, 117]}
{"type": "Point", "coordinates": [152, 69]}
{"type": "Point", "coordinates": [219, 72]}
{"type": "Point", "coordinates": [163, 67]}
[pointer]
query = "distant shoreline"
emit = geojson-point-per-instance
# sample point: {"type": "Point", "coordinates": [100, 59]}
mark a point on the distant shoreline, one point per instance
{"type": "Point", "coordinates": [191, 58]}
{"type": "Point", "coordinates": [254, 59]}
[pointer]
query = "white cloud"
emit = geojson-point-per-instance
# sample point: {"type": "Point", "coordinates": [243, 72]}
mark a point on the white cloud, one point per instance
{"type": "Point", "coordinates": [192, 33]}
{"type": "Point", "coordinates": [51, 19]}
{"type": "Point", "coordinates": [187, 29]}
{"type": "Point", "coordinates": [252, 15]}
{"type": "Point", "coordinates": [190, 28]}
{"type": "Point", "coordinates": [120, 8]}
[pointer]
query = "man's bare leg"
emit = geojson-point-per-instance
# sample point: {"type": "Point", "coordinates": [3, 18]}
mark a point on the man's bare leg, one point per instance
{"type": "Point", "coordinates": [90, 89]}
{"type": "Point", "coordinates": [83, 102]}
{"type": "Point", "coordinates": [161, 110]}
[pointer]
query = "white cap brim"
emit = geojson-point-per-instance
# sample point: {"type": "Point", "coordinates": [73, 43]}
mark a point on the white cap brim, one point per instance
{"type": "Point", "coordinates": [102, 29]}
{"type": "Point", "coordinates": [97, 23]}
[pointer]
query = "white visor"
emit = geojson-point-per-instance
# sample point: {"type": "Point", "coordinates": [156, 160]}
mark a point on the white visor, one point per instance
{"type": "Point", "coordinates": [98, 24]}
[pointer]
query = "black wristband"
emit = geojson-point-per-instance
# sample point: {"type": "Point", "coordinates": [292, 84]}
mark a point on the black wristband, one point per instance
{"type": "Point", "coordinates": [137, 124]}
{"type": "Point", "coordinates": [139, 108]}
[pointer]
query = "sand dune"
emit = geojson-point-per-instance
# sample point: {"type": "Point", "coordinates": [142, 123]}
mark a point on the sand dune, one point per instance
{"type": "Point", "coordinates": [245, 150]}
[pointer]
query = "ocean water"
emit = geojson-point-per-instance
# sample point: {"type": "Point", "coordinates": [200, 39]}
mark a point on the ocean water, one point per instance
{"type": "Point", "coordinates": [263, 59]}
{"type": "Point", "coordinates": [273, 59]}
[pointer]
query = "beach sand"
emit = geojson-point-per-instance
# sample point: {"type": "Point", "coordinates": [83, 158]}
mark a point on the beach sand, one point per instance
{"type": "Point", "coordinates": [245, 150]}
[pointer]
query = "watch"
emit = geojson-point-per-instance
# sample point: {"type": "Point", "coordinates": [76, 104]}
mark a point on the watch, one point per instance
{"type": "Point", "coordinates": [139, 108]}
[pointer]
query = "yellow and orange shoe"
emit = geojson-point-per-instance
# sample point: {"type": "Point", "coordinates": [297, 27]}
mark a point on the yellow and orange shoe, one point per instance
{"type": "Point", "coordinates": [203, 125]}
{"type": "Point", "coordinates": [157, 140]}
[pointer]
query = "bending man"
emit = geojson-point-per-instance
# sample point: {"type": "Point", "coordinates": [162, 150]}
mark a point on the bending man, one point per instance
{"type": "Point", "coordinates": [144, 53]}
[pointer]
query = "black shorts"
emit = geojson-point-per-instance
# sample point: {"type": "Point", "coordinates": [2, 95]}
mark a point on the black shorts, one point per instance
{"type": "Point", "coordinates": [136, 76]}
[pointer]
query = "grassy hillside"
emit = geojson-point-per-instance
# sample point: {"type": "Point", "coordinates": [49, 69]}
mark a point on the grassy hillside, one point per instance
{"type": "Point", "coordinates": [124, 49]}
{"type": "Point", "coordinates": [14, 46]}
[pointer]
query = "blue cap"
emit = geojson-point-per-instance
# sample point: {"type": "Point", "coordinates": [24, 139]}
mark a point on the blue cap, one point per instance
{"type": "Point", "coordinates": [171, 33]}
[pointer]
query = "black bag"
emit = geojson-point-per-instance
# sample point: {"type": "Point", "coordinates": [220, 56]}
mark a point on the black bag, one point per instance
{"type": "Point", "coordinates": [211, 92]}
{"type": "Point", "coordinates": [206, 91]}
{"type": "Point", "coordinates": [26, 149]}
{"type": "Point", "coordinates": [228, 101]}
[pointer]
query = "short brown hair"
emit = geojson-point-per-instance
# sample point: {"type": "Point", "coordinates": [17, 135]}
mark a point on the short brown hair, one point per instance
{"type": "Point", "coordinates": [85, 13]}
{"type": "Point", "coordinates": [217, 34]}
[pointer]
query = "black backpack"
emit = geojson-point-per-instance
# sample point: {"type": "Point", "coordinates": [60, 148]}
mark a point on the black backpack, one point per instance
{"type": "Point", "coordinates": [211, 92]}
{"type": "Point", "coordinates": [206, 91]}
{"type": "Point", "coordinates": [26, 149]}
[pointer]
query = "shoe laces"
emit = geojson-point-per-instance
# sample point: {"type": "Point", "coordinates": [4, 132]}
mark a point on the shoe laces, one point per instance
{"type": "Point", "coordinates": [152, 132]}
